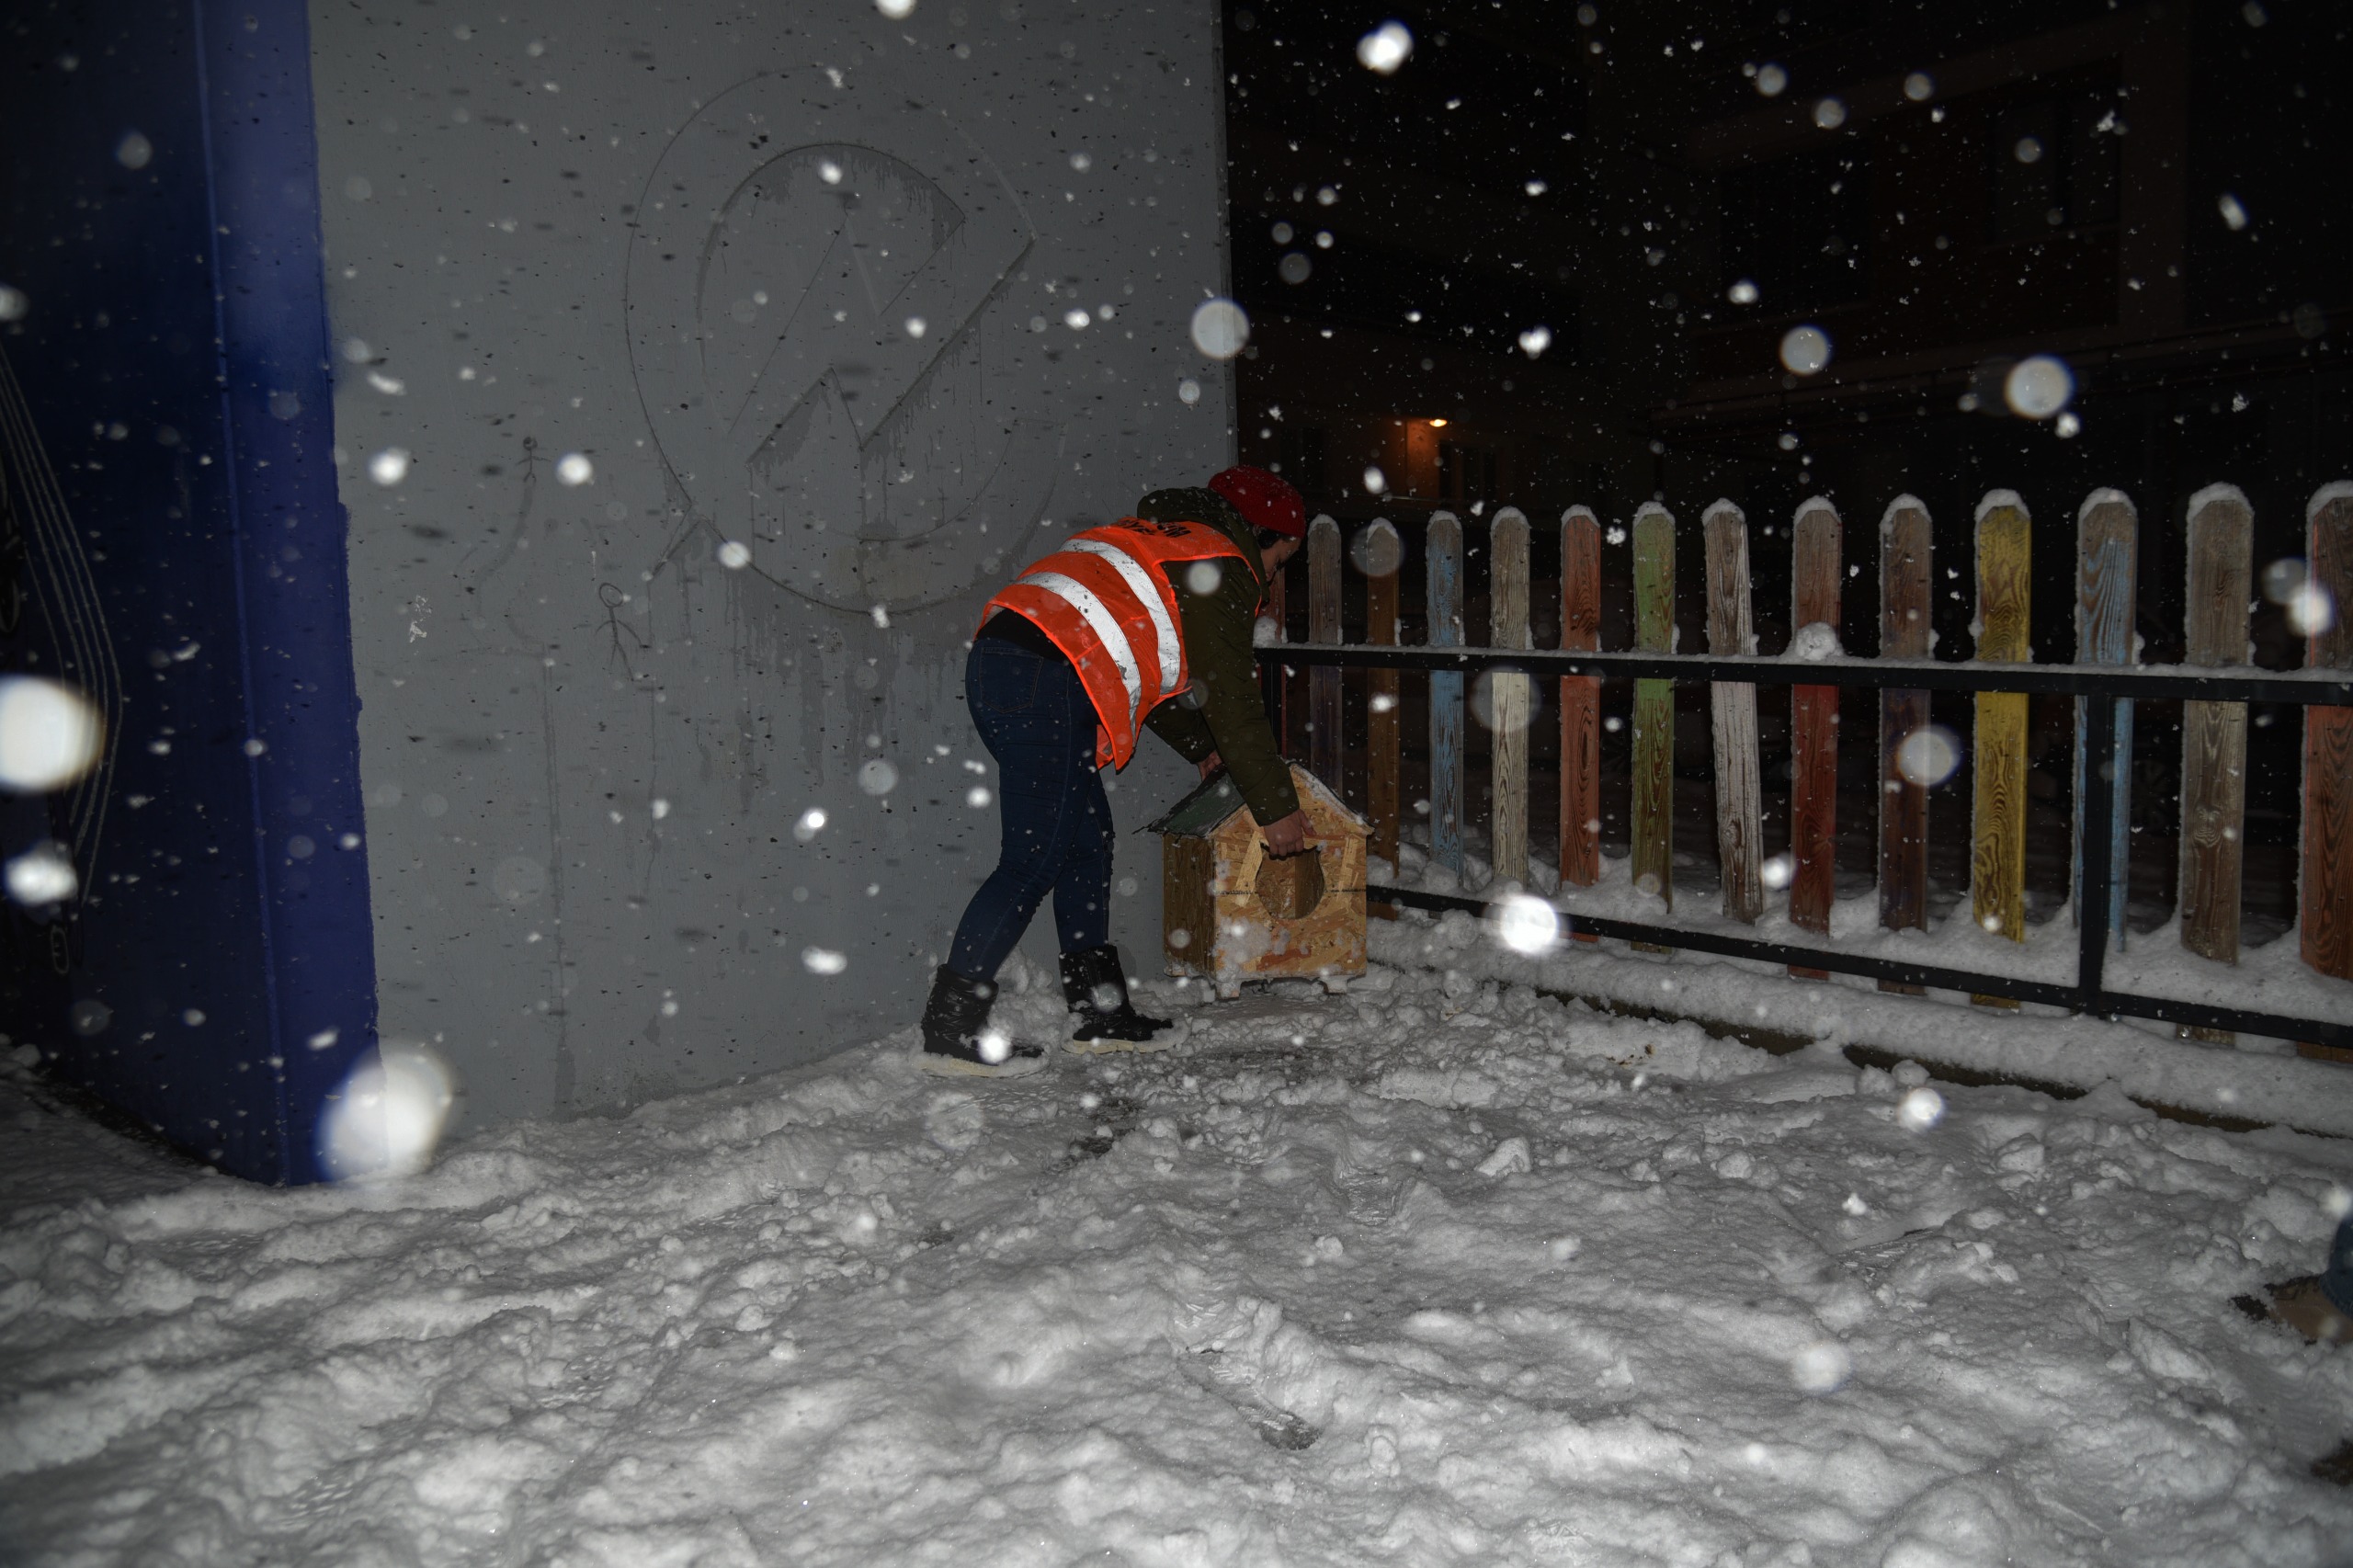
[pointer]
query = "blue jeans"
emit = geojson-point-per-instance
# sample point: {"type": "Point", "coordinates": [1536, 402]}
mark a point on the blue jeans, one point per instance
{"type": "Point", "coordinates": [1035, 718]}
{"type": "Point", "coordinates": [2336, 1279]}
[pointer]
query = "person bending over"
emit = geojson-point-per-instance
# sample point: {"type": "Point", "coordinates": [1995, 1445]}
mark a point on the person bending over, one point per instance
{"type": "Point", "coordinates": [1141, 623]}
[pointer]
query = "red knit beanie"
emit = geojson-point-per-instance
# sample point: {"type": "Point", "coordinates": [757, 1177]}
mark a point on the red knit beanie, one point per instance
{"type": "Point", "coordinates": [1265, 500]}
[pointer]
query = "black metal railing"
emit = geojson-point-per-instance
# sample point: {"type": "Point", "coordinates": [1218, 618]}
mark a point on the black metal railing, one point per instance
{"type": "Point", "coordinates": [2087, 995]}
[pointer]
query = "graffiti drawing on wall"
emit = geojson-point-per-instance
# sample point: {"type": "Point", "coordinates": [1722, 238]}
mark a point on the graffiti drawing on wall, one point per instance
{"type": "Point", "coordinates": [807, 298]}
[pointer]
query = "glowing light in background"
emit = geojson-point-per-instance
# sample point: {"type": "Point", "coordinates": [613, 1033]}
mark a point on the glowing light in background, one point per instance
{"type": "Point", "coordinates": [1821, 1367]}
{"type": "Point", "coordinates": [822, 960]}
{"type": "Point", "coordinates": [1510, 718]}
{"type": "Point", "coordinates": [1805, 351]}
{"type": "Point", "coordinates": [2039, 386]}
{"type": "Point", "coordinates": [49, 734]}
{"type": "Point", "coordinates": [42, 875]}
{"type": "Point", "coordinates": [1535, 340]}
{"type": "Point", "coordinates": [897, 10]}
{"type": "Point", "coordinates": [1378, 551]}
{"type": "Point", "coordinates": [1528, 925]}
{"type": "Point", "coordinates": [1220, 328]}
{"type": "Point", "coordinates": [1385, 48]}
{"type": "Point", "coordinates": [1375, 481]}
{"type": "Point", "coordinates": [2288, 582]}
{"type": "Point", "coordinates": [878, 777]}
{"type": "Point", "coordinates": [1779, 871]}
{"type": "Point", "coordinates": [2312, 611]}
{"type": "Point", "coordinates": [1919, 87]}
{"type": "Point", "coordinates": [734, 555]}
{"type": "Point", "coordinates": [387, 1118]}
{"type": "Point", "coordinates": [572, 468]}
{"type": "Point", "coordinates": [1830, 114]}
{"type": "Point", "coordinates": [1921, 1109]}
{"type": "Point", "coordinates": [1743, 292]}
{"type": "Point", "coordinates": [811, 822]}
{"type": "Point", "coordinates": [389, 466]}
{"type": "Point", "coordinates": [2284, 578]}
{"type": "Point", "coordinates": [1772, 80]}
{"type": "Point", "coordinates": [1928, 756]}
{"type": "Point", "coordinates": [2233, 213]}
{"type": "Point", "coordinates": [1189, 391]}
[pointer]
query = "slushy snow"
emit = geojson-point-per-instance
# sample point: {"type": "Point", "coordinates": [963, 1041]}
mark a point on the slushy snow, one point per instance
{"type": "Point", "coordinates": [1440, 1270]}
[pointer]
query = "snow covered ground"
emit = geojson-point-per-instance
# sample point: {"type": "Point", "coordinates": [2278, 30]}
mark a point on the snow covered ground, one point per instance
{"type": "Point", "coordinates": [2256, 1079]}
{"type": "Point", "coordinates": [1434, 1272]}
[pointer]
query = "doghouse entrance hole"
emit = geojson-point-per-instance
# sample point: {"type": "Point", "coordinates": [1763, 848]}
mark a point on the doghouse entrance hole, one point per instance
{"type": "Point", "coordinates": [1291, 886]}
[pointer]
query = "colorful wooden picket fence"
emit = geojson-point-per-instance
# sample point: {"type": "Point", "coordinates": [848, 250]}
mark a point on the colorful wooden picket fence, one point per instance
{"type": "Point", "coordinates": [2214, 732]}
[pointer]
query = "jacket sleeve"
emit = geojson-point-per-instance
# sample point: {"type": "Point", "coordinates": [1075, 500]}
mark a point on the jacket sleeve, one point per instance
{"type": "Point", "coordinates": [1217, 628]}
{"type": "Point", "coordinates": [1182, 727]}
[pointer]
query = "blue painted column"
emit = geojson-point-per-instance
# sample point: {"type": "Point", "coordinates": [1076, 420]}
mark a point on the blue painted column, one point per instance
{"type": "Point", "coordinates": [215, 976]}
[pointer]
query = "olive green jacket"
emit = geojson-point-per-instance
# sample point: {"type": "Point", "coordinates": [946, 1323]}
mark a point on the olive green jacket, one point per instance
{"type": "Point", "coordinates": [1226, 713]}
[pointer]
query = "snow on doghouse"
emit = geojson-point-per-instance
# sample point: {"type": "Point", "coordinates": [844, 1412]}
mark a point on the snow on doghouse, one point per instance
{"type": "Point", "coordinates": [1231, 911]}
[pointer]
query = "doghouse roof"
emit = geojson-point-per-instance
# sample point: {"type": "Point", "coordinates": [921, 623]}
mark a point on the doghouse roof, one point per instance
{"type": "Point", "coordinates": [1213, 804]}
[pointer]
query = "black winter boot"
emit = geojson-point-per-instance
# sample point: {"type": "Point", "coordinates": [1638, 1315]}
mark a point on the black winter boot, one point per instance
{"type": "Point", "coordinates": [953, 1042]}
{"type": "Point", "coordinates": [1098, 991]}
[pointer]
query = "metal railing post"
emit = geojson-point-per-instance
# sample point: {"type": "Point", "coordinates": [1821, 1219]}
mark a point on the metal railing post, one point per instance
{"type": "Point", "coordinates": [2097, 805]}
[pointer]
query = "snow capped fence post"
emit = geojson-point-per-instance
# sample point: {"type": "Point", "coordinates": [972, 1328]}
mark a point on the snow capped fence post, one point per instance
{"type": "Point", "coordinates": [1732, 709]}
{"type": "Point", "coordinates": [1509, 692]}
{"type": "Point", "coordinates": [2213, 734]}
{"type": "Point", "coordinates": [1997, 857]}
{"type": "Point", "coordinates": [1814, 619]}
{"type": "Point", "coordinates": [2107, 566]}
{"type": "Point", "coordinates": [1444, 561]}
{"type": "Point", "coordinates": [2327, 601]}
{"type": "Point", "coordinates": [1904, 550]}
{"type": "Point", "coordinates": [1580, 701]}
{"type": "Point", "coordinates": [1654, 803]}
{"type": "Point", "coordinates": [1323, 748]}
{"type": "Point", "coordinates": [1381, 553]}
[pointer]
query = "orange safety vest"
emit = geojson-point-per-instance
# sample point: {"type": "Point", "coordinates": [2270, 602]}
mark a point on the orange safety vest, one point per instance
{"type": "Point", "coordinates": [1106, 601]}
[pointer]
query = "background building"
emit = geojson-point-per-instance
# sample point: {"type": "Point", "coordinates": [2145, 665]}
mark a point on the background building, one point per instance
{"type": "Point", "coordinates": [2143, 191]}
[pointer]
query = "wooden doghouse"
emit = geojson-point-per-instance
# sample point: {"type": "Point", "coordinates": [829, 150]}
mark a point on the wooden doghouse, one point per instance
{"type": "Point", "coordinates": [1231, 911]}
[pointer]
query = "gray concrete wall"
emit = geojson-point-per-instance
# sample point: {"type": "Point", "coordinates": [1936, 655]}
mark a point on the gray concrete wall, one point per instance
{"type": "Point", "coordinates": [799, 278]}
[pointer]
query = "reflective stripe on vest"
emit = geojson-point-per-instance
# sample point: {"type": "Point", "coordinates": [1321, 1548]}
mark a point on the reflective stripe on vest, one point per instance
{"type": "Point", "coordinates": [1139, 581]}
{"type": "Point", "coordinates": [1104, 626]}
{"type": "Point", "coordinates": [1104, 600]}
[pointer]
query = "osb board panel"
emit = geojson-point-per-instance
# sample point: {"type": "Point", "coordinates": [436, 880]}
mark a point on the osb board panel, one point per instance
{"type": "Point", "coordinates": [1329, 941]}
{"type": "Point", "coordinates": [1238, 860]}
{"type": "Point", "coordinates": [1188, 921]}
